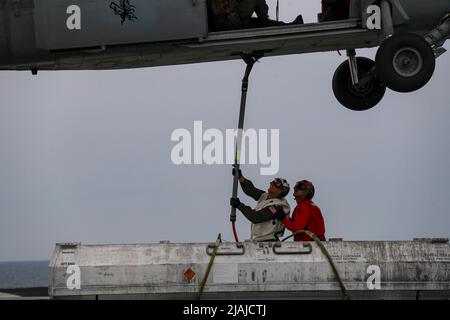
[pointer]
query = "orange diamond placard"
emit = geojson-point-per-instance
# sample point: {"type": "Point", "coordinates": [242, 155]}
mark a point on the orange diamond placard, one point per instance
{"type": "Point", "coordinates": [189, 274]}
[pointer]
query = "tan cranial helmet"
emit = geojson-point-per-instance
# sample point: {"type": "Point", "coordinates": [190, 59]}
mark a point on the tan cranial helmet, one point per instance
{"type": "Point", "coordinates": [281, 184]}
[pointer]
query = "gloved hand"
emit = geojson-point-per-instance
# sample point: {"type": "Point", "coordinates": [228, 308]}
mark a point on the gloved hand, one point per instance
{"type": "Point", "coordinates": [235, 202]}
{"type": "Point", "coordinates": [279, 214]}
{"type": "Point", "coordinates": [234, 172]}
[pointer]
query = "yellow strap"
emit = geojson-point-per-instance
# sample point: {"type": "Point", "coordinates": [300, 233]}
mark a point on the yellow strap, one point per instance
{"type": "Point", "coordinates": [210, 264]}
{"type": "Point", "coordinates": [327, 255]}
{"type": "Point", "coordinates": [309, 233]}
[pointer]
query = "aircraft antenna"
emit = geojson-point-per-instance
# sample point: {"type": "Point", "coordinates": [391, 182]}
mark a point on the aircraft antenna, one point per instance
{"type": "Point", "coordinates": [278, 10]}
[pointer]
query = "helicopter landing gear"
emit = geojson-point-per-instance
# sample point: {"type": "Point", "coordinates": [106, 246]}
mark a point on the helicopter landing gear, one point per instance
{"type": "Point", "coordinates": [356, 85]}
{"type": "Point", "coordinates": [405, 62]}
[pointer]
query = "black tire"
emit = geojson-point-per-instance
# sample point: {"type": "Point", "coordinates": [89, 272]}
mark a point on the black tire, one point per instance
{"type": "Point", "coordinates": [357, 98]}
{"type": "Point", "coordinates": [405, 62]}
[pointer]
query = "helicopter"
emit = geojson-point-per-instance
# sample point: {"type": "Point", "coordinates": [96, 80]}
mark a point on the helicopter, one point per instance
{"type": "Point", "coordinates": [122, 34]}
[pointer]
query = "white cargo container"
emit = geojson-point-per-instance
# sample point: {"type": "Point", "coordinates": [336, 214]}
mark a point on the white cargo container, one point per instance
{"type": "Point", "coordinates": [417, 269]}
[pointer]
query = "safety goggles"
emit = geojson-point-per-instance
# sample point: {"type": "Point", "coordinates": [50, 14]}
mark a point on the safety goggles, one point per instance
{"type": "Point", "coordinates": [277, 183]}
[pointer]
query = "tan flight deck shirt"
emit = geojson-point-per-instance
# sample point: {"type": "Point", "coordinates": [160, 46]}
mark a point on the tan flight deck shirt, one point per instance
{"type": "Point", "coordinates": [264, 226]}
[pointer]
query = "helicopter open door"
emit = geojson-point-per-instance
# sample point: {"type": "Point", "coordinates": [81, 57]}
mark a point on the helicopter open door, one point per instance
{"type": "Point", "coordinates": [69, 24]}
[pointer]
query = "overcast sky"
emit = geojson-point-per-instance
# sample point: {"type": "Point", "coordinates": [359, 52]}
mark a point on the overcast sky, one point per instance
{"type": "Point", "coordinates": [85, 156]}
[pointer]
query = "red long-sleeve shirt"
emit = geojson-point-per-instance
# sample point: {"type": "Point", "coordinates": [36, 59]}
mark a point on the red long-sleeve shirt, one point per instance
{"type": "Point", "coordinates": [306, 216]}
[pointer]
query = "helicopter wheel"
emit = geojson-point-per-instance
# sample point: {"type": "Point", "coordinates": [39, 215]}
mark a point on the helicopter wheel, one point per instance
{"type": "Point", "coordinates": [361, 97]}
{"type": "Point", "coordinates": [405, 62]}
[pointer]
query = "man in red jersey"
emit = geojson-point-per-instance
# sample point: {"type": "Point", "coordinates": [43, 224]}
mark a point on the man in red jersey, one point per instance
{"type": "Point", "coordinates": [306, 216]}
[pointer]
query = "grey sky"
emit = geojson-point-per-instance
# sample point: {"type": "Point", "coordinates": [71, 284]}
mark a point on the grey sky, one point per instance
{"type": "Point", "coordinates": [85, 156]}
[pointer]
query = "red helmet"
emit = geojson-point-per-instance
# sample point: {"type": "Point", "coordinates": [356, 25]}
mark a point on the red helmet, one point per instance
{"type": "Point", "coordinates": [307, 186]}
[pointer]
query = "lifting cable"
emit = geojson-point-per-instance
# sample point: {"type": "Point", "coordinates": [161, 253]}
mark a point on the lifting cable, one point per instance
{"type": "Point", "coordinates": [327, 255]}
{"type": "Point", "coordinates": [250, 60]}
